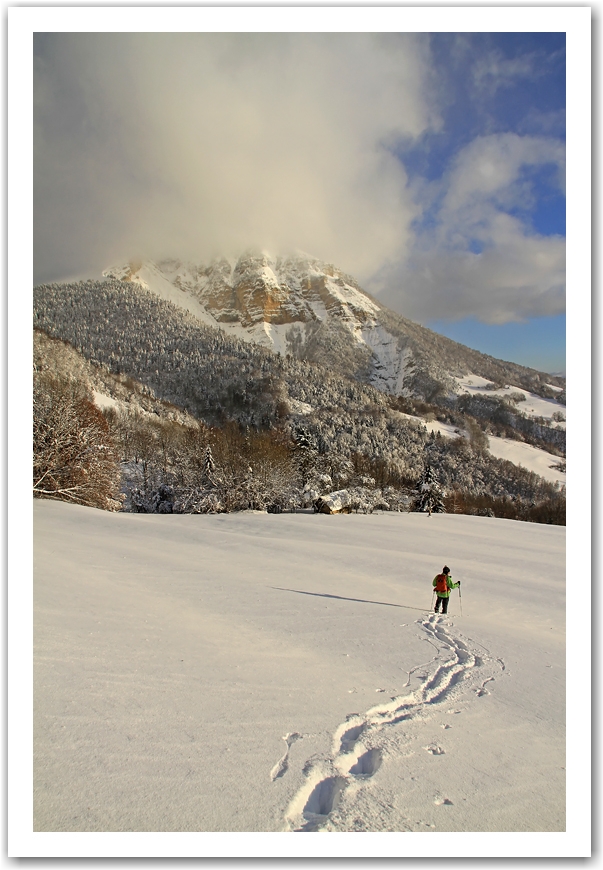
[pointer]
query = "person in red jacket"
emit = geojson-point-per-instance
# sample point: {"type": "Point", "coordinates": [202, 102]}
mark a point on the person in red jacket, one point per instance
{"type": "Point", "coordinates": [443, 584]}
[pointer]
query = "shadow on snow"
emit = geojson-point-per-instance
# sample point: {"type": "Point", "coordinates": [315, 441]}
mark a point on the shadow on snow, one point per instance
{"type": "Point", "coordinates": [344, 598]}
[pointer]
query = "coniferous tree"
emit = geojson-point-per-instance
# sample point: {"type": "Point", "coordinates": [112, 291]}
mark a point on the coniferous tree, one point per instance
{"type": "Point", "coordinates": [209, 467]}
{"type": "Point", "coordinates": [429, 498]}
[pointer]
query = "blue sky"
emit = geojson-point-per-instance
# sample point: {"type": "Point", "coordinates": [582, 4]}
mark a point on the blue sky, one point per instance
{"type": "Point", "coordinates": [431, 167]}
{"type": "Point", "coordinates": [537, 342]}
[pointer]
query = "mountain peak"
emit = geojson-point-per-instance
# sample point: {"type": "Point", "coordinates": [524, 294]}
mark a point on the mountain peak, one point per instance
{"type": "Point", "coordinates": [260, 296]}
{"type": "Point", "coordinates": [297, 304]}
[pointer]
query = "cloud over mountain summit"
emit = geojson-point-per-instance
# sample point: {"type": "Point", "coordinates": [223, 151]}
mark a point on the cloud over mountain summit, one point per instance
{"type": "Point", "coordinates": [191, 145]}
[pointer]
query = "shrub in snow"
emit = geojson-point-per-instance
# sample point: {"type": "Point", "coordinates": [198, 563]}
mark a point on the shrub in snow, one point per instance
{"type": "Point", "coordinates": [138, 501]}
{"type": "Point", "coordinates": [163, 500]}
{"type": "Point", "coordinates": [209, 466]}
{"type": "Point", "coordinates": [368, 482]}
{"type": "Point", "coordinates": [309, 497]}
{"type": "Point", "coordinates": [397, 499]}
{"type": "Point", "coordinates": [199, 502]}
{"type": "Point", "coordinates": [364, 500]}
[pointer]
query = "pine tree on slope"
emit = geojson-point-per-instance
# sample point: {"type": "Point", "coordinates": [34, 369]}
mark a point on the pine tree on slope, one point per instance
{"type": "Point", "coordinates": [209, 466]}
{"type": "Point", "coordinates": [429, 498]}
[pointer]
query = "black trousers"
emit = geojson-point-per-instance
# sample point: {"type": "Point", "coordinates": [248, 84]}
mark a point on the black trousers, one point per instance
{"type": "Point", "coordinates": [443, 601]}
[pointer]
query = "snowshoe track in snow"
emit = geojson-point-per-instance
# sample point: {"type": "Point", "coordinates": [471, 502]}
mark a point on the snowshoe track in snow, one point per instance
{"type": "Point", "coordinates": [282, 765]}
{"type": "Point", "coordinates": [461, 667]}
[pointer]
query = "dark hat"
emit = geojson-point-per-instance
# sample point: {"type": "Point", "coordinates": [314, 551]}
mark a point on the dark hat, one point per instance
{"type": "Point", "coordinates": [445, 570]}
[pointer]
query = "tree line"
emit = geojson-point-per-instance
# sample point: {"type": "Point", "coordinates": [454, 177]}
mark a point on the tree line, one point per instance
{"type": "Point", "coordinates": [139, 461]}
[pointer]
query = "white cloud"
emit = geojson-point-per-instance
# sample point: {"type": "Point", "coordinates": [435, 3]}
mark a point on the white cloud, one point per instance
{"type": "Point", "coordinates": [194, 144]}
{"type": "Point", "coordinates": [478, 259]}
{"type": "Point", "coordinates": [524, 277]}
{"type": "Point", "coordinates": [490, 166]}
{"type": "Point", "coordinates": [493, 70]}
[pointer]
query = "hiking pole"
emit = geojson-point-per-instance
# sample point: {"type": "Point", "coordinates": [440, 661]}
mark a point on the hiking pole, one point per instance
{"type": "Point", "coordinates": [460, 598]}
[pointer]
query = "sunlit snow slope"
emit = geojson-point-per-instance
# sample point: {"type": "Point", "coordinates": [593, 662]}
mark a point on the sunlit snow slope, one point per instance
{"type": "Point", "coordinates": [256, 672]}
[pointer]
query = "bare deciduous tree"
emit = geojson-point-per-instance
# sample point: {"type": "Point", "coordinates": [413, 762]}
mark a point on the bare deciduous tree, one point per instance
{"type": "Point", "coordinates": [74, 456]}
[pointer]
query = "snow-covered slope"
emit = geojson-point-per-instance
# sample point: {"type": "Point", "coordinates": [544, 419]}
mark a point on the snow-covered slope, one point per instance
{"type": "Point", "coordinates": [258, 297]}
{"type": "Point", "coordinates": [547, 465]}
{"type": "Point", "coordinates": [530, 404]}
{"type": "Point", "coordinates": [256, 672]}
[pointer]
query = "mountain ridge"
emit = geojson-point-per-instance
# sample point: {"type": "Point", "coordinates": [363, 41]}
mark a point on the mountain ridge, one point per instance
{"type": "Point", "coordinates": [309, 309]}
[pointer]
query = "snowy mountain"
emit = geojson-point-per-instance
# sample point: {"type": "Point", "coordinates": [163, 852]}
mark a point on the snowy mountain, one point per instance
{"type": "Point", "coordinates": [275, 302]}
{"type": "Point", "coordinates": [139, 350]}
{"type": "Point", "coordinates": [312, 310]}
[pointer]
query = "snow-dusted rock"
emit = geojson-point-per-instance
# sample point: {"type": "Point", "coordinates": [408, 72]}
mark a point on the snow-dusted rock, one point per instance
{"type": "Point", "coordinates": [334, 502]}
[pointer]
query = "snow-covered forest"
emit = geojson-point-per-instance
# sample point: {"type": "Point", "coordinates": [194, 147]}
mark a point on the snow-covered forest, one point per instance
{"type": "Point", "coordinates": [197, 421]}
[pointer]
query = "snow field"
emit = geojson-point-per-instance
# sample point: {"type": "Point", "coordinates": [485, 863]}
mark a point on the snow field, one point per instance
{"type": "Point", "coordinates": [151, 278]}
{"type": "Point", "coordinates": [101, 400]}
{"type": "Point", "coordinates": [254, 672]}
{"type": "Point", "coordinates": [519, 453]}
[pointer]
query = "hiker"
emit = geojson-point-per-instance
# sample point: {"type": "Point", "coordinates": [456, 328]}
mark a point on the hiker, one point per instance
{"type": "Point", "coordinates": [443, 584]}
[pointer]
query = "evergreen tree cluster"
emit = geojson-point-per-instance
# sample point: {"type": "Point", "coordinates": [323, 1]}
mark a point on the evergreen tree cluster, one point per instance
{"type": "Point", "coordinates": [429, 498]}
{"type": "Point", "coordinates": [502, 418]}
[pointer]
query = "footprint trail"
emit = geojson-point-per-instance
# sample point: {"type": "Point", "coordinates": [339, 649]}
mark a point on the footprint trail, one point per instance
{"type": "Point", "coordinates": [461, 668]}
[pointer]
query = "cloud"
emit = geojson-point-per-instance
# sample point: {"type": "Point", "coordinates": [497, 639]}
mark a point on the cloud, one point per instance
{"type": "Point", "coordinates": [193, 144]}
{"type": "Point", "coordinates": [474, 256]}
{"type": "Point", "coordinates": [512, 281]}
{"type": "Point", "coordinates": [493, 70]}
{"type": "Point", "coordinates": [490, 167]}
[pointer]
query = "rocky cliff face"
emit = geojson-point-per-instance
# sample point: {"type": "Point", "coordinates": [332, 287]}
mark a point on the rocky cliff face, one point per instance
{"type": "Point", "coordinates": [293, 305]}
{"type": "Point", "coordinates": [260, 289]}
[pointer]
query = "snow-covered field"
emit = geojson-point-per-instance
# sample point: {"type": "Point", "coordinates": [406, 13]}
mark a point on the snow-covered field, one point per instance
{"type": "Point", "coordinates": [539, 461]}
{"type": "Point", "coordinates": [283, 673]}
